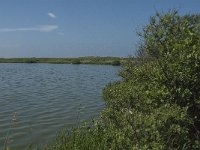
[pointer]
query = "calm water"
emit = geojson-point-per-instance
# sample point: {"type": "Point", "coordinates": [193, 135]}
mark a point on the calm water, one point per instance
{"type": "Point", "coordinates": [37, 100]}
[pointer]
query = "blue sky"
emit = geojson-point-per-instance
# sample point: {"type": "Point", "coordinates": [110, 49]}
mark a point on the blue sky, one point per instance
{"type": "Point", "coordinates": [73, 28]}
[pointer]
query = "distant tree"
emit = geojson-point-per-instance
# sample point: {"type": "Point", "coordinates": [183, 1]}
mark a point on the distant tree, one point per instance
{"type": "Point", "coordinates": [116, 63]}
{"type": "Point", "coordinates": [76, 61]}
{"type": "Point", "coordinates": [30, 60]}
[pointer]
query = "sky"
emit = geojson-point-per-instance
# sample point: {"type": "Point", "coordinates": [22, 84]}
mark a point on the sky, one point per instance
{"type": "Point", "coordinates": [74, 28]}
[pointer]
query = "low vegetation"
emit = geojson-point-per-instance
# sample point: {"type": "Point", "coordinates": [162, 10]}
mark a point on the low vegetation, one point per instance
{"type": "Point", "coordinates": [80, 60]}
{"type": "Point", "coordinates": [76, 61]}
{"type": "Point", "coordinates": [116, 63]}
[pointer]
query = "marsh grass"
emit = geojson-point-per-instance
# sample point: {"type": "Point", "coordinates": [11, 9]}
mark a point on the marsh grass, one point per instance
{"type": "Point", "coordinates": [85, 136]}
{"type": "Point", "coordinates": [7, 137]}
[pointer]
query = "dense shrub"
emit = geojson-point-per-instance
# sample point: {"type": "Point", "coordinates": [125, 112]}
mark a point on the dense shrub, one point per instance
{"type": "Point", "coordinates": [76, 61]}
{"type": "Point", "coordinates": [157, 103]}
{"type": "Point", "coordinates": [116, 63]}
{"type": "Point", "coordinates": [30, 60]}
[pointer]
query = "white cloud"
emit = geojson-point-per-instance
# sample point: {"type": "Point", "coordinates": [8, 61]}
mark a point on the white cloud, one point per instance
{"type": "Point", "coordinates": [52, 15]}
{"type": "Point", "coordinates": [42, 28]}
{"type": "Point", "coordinates": [47, 28]}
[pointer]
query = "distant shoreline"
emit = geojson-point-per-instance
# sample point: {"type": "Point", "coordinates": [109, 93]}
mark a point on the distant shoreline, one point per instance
{"type": "Point", "coordinates": [115, 61]}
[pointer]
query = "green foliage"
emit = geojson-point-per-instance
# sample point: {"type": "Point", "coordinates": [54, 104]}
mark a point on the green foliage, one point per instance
{"type": "Point", "coordinates": [169, 34]}
{"type": "Point", "coordinates": [116, 63]}
{"type": "Point", "coordinates": [157, 103]}
{"type": "Point", "coordinates": [86, 137]}
{"type": "Point", "coordinates": [76, 61]}
{"type": "Point", "coordinates": [30, 60]}
{"type": "Point", "coordinates": [79, 60]}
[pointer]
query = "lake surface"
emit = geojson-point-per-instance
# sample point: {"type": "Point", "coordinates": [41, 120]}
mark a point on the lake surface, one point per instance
{"type": "Point", "coordinates": [37, 100]}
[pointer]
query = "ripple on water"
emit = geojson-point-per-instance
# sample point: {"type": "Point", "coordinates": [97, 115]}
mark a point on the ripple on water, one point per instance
{"type": "Point", "coordinates": [37, 100]}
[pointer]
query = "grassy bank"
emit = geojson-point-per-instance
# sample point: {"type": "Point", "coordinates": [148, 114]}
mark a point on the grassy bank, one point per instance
{"type": "Point", "coordinates": [80, 60]}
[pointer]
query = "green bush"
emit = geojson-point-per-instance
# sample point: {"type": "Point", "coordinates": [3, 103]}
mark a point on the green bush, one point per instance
{"type": "Point", "coordinates": [76, 61]}
{"type": "Point", "coordinates": [30, 60]}
{"type": "Point", "coordinates": [157, 105]}
{"type": "Point", "coordinates": [116, 63]}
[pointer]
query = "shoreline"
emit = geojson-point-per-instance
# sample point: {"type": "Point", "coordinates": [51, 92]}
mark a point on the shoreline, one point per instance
{"type": "Point", "coordinates": [115, 61]}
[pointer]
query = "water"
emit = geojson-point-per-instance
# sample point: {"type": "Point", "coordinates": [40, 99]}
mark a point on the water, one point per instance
{"type": "Point", "coordinates": [37, 100]}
